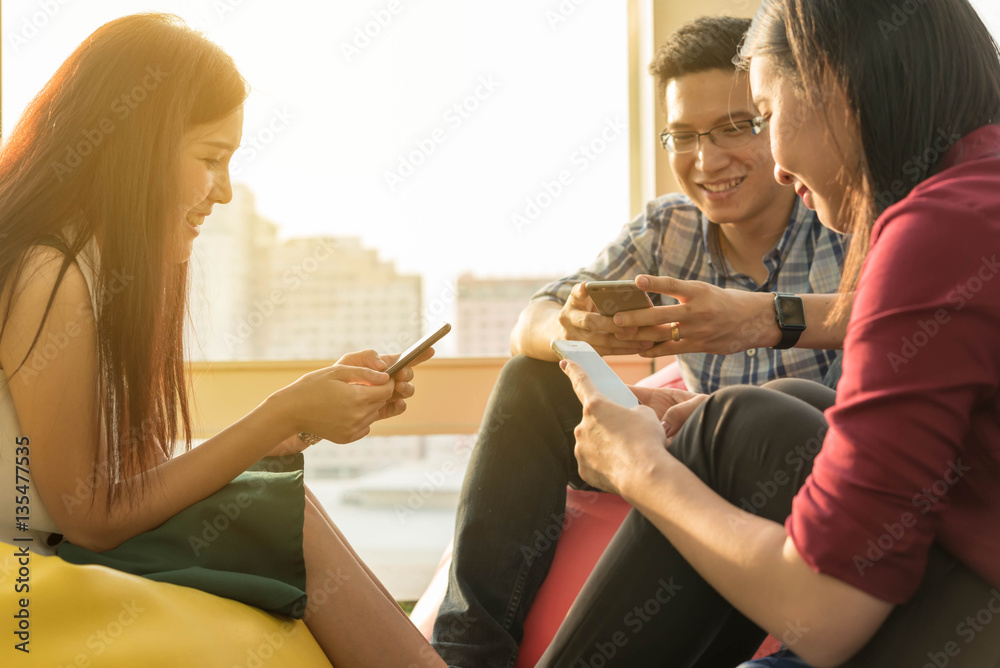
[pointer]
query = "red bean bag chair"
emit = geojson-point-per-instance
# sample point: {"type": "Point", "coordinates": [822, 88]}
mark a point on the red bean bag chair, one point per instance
{"type": "Point", "coordinates": [591, 521]}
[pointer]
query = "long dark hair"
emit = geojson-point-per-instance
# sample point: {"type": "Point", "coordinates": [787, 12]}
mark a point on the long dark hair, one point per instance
{"type": "Point", "coordinates": [98, 150]}
{"type": "Point", "coordinates": [917, 77]}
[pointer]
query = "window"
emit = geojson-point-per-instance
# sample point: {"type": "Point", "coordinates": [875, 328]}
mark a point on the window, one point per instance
{"type": "Point", "coordinates": [421, 140]}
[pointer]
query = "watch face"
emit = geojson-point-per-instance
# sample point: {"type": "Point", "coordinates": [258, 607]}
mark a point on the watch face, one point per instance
{"type": "Point", "coordinates": [792, 314]}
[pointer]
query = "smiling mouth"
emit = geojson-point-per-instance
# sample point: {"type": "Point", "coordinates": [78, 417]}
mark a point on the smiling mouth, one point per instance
{"type": "Point", "coordinates": [723, 187]}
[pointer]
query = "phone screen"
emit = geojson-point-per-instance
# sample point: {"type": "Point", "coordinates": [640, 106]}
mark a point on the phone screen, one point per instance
{"type": "Point", "coordinates": [603, 375]}
{"type": "Point", "coordinates": [414, 351]}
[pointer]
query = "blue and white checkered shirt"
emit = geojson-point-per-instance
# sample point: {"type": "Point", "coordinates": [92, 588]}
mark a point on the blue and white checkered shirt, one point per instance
{"type": "Point", "coordinates": [673, 238]}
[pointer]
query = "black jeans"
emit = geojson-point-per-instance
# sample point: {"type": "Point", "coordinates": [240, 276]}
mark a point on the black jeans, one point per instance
{"type": "Point", "coordinates": [644, 605]}
{"type": "Point", "coordinates": [510, 514]}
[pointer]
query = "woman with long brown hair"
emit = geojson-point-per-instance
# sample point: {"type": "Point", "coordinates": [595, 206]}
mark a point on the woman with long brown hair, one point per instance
{"type": "Point", "coordinates": [104, 185]}
{"type": "Point", "coordinates": [869, 535]}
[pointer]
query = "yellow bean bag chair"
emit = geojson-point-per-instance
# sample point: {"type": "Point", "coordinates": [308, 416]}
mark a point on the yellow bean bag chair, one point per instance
{"type": "Point", "coordinates": [91, 616]}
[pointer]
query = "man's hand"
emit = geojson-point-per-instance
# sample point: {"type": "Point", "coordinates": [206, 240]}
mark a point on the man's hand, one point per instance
{"type": "Point", "coordinates": [661, 399]}
{"type": "Point", "coordinates": [672, 406]}
{"type": "Point", "coordinates": [709, 319]}
{"type": "Point", "coordinates": [580, 320]}
{"type": "Point", "coordinates": [613, 443]}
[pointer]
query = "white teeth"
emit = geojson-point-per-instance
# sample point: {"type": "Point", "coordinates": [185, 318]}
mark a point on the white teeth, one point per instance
{"type": "Point", "coordinates": [722, 187]}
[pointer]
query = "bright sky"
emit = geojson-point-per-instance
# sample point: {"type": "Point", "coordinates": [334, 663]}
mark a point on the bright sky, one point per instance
{"type": "Point", "coordinates": [348, 108]}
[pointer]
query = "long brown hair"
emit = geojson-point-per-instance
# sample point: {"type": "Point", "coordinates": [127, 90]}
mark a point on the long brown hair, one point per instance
{"type": "Point", "coordinates": [98, 150]}
{"type": "Point", "coordinates": [917, 76]}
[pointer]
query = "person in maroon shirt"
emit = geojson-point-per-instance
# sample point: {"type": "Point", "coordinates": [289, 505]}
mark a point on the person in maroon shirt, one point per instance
{"type": "Point", "coordinates": [868, 535]}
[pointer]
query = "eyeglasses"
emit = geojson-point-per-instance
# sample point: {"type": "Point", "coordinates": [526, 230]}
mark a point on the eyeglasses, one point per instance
{"type": "Point", "coordinates": [730, 135]}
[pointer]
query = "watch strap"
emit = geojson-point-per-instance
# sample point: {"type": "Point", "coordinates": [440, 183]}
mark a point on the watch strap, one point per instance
{"type": "Point", "coordinates": [789, 337]}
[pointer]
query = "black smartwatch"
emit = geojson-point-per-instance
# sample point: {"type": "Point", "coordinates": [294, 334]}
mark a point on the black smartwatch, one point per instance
{"type": "Point", "coordinates": [791, 318]}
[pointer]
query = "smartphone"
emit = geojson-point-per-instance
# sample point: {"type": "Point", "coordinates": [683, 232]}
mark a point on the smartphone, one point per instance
{"type": "Point", "coordinates": [414, 351]}
{"type": "Point", "coordinates": [603, 376]}
{"type": "Point", "coordinates": [610, 297]}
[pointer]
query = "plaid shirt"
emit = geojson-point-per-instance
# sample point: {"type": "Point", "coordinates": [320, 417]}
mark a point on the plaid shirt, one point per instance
{"type": "Point", "coordinates": [673, 238]}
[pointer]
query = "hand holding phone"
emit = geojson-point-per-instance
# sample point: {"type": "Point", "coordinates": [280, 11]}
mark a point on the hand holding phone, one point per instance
{"type": "Point", "coordinates": [603, 376]}
{"type": "Point", "coordinates": [414, 351]}
{"type": "Point", "coordinates": [610, 297]}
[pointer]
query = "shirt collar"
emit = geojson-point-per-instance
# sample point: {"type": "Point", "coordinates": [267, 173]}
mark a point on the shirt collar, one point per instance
{"type": "Point", "coordinates": [981, 143]}
{"type": "Point", "coordinates": [774, 259]}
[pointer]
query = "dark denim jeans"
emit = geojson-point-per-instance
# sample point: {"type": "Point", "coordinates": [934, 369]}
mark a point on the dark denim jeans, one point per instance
{"type": "Point", "coordinates": [737, 442]}
{"type": "Point", "coordinates": [510, 514]}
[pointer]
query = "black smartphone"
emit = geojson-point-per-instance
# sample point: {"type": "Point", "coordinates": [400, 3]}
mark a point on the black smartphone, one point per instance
{"type": "Point", "coordinates": [414, 351]}
{"type": "Point", "coordinates": [610, 297]}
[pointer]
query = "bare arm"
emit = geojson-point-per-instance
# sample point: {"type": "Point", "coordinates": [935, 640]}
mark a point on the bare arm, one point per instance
{"type": "Point", "coordinates": [536, 326]}
{"type": "Point", "coordinates": [750, 560]}
{"type": "Point", "coordinates": [54, 396]}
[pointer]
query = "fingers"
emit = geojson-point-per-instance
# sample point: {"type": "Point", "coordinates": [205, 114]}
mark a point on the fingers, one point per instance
{"type": "Point", "coordinates": [582, 384]}
{"type": "Point", "coordinates": [403, 389]}
{"type": "Point", "coordinates": [650, 335]}
{"type": "Point", "coordinates": [665, 285]}
{"type": "Point", "coordinates": [364, 358]}
{"type": "Point", "coordinates": [601, 332]}
{"type": "Point", "coordinates": [393, 408]}
{"type": "Point", "coordinates": [588, 321]}
{"type": "Point", "coordinates": [608, 344]}
{"type": "Point", "coordinates": [658, 315]}
{"type": "Point", "coordinates": [677, 395]}
{"type": "Point", "coordinates": [677, 415]}
{"type": "Point", "coordinates": [579, 299]}
{"type": "Point", "coordinates": [690, 345]}
{"type": "Point", "coordinates": [423, 357]}
{"type": "Point", "coordinates": [581, 322]}
{"type": "Point", "coordinates": [642, 393]}
{"type": "Point", "coordinates": [358, 374]}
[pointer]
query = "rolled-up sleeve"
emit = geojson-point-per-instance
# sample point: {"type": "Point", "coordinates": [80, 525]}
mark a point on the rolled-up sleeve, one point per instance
{"type": "Point", "coordinates": [635, 251]}
{"type": "Point", "coordinates": [920, 357]}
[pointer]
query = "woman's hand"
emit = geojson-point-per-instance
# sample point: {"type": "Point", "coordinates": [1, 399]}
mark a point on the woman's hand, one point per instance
{"type": "Point", "coordinates": [614, 445]}
{"type": "Point", "coordinates": [339, 402]}
{"type": "Point", "coordinates": [403, 389]}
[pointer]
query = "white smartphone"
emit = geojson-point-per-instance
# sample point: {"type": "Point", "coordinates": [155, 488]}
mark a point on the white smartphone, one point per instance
{"type": "Point", "coordinates": [414, 351]}
{"type": "Point", "coordinates": [610, 297]}
{"type": "Point", "coordinates": [603, 376]}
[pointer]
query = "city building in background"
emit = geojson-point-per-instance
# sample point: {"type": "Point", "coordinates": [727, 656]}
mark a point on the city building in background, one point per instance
{"type": "Point", "coordinates": [229, 272]}
{"type": "Point", "coordinates": [333, 296]}
{"type": "Point", "coordinates": [487, 310]}
{"type": "Point", "coordinates": [256, 297]}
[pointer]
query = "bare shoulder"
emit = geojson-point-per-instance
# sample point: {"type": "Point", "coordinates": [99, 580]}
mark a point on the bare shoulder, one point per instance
{"type": "Point", "coordinates": [71, 307]}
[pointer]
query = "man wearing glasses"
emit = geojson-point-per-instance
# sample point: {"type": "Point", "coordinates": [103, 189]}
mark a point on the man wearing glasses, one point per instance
{"type": "Point", "coordinates": [755, 267]}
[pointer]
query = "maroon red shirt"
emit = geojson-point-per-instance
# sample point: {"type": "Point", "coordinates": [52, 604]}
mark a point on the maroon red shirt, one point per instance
{"type": "Point", "coordinates": [912, 456]}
